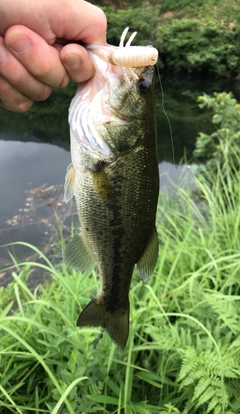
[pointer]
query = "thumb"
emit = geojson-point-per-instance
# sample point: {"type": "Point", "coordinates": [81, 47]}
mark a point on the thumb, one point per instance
{"type": "Point", "coordinates": [80, 20]}
{"type": "Point", "coordinates": [63, 19]}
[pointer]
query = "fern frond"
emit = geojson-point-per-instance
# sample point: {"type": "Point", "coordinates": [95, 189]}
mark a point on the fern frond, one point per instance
{"type": "Point", "coordinates": [236, 405]}
{"type": "Point", "coordinates": [233, 389]}
{"type": "Point", "coordinates": [227, 310]}
{"type": "Point", "coordinates": [189, 366]}
{"type": "Point", "coordinates": [200, 388]}
{"type": "Point", "coordinates": [214, 405]}
{"type": "Point", "coordinates": [212, 391]}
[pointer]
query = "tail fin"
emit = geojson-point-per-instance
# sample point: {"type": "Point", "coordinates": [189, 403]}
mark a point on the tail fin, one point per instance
{"type": "Point", "coordinates": [116, 323]}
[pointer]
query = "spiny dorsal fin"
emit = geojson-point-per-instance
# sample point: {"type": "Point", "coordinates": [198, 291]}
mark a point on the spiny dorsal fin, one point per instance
{"type": "Point", "coordinates": [148, 260]}
{"type": "Point", "coordinates": [77, 255]}
{"type": "Point", "coordinates": [69, 183]}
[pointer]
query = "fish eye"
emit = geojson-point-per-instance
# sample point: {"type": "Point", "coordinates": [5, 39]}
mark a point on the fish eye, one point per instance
{"type": "Point", "coordinates": [143, 86]}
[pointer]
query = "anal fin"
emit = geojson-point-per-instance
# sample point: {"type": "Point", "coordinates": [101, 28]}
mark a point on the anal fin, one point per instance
{"type": "Point", "coordinates": [77, 255]}
{"type": "Point", "coordinates": [148, 260]}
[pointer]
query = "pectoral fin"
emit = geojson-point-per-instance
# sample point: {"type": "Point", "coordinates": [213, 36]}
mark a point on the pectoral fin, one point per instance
{"type": "Point", "coordinates": [77, 255]}
{"type": "Point", "coordinates": [148, 260]}
{"type": "Point", "coordinates": [69, 183]}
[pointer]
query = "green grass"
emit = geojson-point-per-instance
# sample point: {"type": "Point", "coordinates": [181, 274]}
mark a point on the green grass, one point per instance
{"type": "Point", "coordinates": [183, 351]}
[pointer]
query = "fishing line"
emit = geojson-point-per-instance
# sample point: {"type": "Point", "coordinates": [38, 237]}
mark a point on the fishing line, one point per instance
{"type": "Point", "coordinates": [61, 408]}
{"type": "Point", "coordinates": [166, 115]}
{"type": "Point", "coordinates": [98, 339]}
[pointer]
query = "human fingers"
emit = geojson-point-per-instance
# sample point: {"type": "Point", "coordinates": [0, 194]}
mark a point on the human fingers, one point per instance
{"type": "Point", "coordinates": [12, 99]}
{"type": "Point", "coordinates": [66, 19]}
{"type": "Point", "coordinates": [88, 23]}
{"type": "Point", "coordinates": [39, 58]}
{"type": "Point", "coordinates": [77, 62]}
{"type": "Point", "coordinates": [18, 88]}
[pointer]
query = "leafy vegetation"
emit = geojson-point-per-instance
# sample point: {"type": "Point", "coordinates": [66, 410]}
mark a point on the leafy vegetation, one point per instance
{"type": "Point", "coordinates": [226, 137]}
{"type": "Point", "coordinates": [194, 45]}
{"type": "Point", "coordinates": [183, 352]}
{"type": "Point", "coordinates": [221, 148]}
{"type": "Point", "coordinates": [196, 37]}
{"type": "Point", "coordinates": [145, 23]}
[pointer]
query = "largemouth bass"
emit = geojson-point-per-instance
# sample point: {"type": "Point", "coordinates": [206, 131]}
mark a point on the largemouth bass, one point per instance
{"type": "Point", "coordinates": [114, 177]}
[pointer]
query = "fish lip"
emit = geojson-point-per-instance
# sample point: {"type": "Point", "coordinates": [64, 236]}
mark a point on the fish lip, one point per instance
{"type": "Point", "coordinates": [102, 66]}
{"type": "Point", "coordinates": [106, 69]}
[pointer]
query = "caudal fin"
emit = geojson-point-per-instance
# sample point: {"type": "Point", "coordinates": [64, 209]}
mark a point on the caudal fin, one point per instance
{"type": "Point", "coordinates": [116, 323]}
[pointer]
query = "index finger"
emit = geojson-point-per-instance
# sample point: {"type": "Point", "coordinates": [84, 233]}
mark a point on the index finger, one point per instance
{"type": "Point", "coordinates": [40, 59]}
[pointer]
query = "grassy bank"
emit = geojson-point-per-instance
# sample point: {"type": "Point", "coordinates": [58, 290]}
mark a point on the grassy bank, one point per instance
{"type": "Point", "coordinates": [183, 353]}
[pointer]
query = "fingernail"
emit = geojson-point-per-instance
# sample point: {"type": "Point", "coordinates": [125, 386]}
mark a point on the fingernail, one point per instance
{"type": "Point", "coordinates": [20, 44]}
{"type": "Point", "coordinates": [24, 106]}
{"type": "Point", "coordinates": [72, 60]}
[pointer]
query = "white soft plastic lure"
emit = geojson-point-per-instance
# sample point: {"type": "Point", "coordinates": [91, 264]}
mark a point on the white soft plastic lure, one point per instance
{"type": "Point", "coordinates": [133, 56]}
{"type": "Point", "coordinates": [127, 56]}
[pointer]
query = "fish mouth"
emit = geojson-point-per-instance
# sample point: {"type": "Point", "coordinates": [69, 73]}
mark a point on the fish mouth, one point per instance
{"type": "Point", "coordinates": [105, 67]}
{"type": "Point", "coordinates": [100, 85]}
{"type": "Point", "coordinates": [100, 102]}
{"type": "Point", "coordinates": [108, 80]}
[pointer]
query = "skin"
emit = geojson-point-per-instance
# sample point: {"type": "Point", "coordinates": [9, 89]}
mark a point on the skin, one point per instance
{"type": "Point", "coordinates": [37, 49]}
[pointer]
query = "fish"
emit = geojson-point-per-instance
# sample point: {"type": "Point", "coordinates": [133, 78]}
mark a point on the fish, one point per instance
{"type": "Point", "coordinates": [115, 180]}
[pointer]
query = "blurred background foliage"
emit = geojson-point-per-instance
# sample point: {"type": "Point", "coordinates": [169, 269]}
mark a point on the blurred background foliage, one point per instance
{"type": "Point", "coordinates": [200, 36]}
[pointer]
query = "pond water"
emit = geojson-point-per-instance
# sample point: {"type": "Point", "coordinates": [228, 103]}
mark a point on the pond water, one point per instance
{"type": "Point", "coordinates": [34, 155]}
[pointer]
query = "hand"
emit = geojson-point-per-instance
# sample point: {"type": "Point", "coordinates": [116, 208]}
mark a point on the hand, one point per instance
{"type": "Point", "coordinates": [34, 56]}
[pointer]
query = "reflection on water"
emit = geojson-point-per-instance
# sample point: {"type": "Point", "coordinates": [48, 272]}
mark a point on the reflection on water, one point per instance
{"type": "Point", "coordinates": [30, 175]}
{"type": "Point", "coordinates": [25, 165]}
